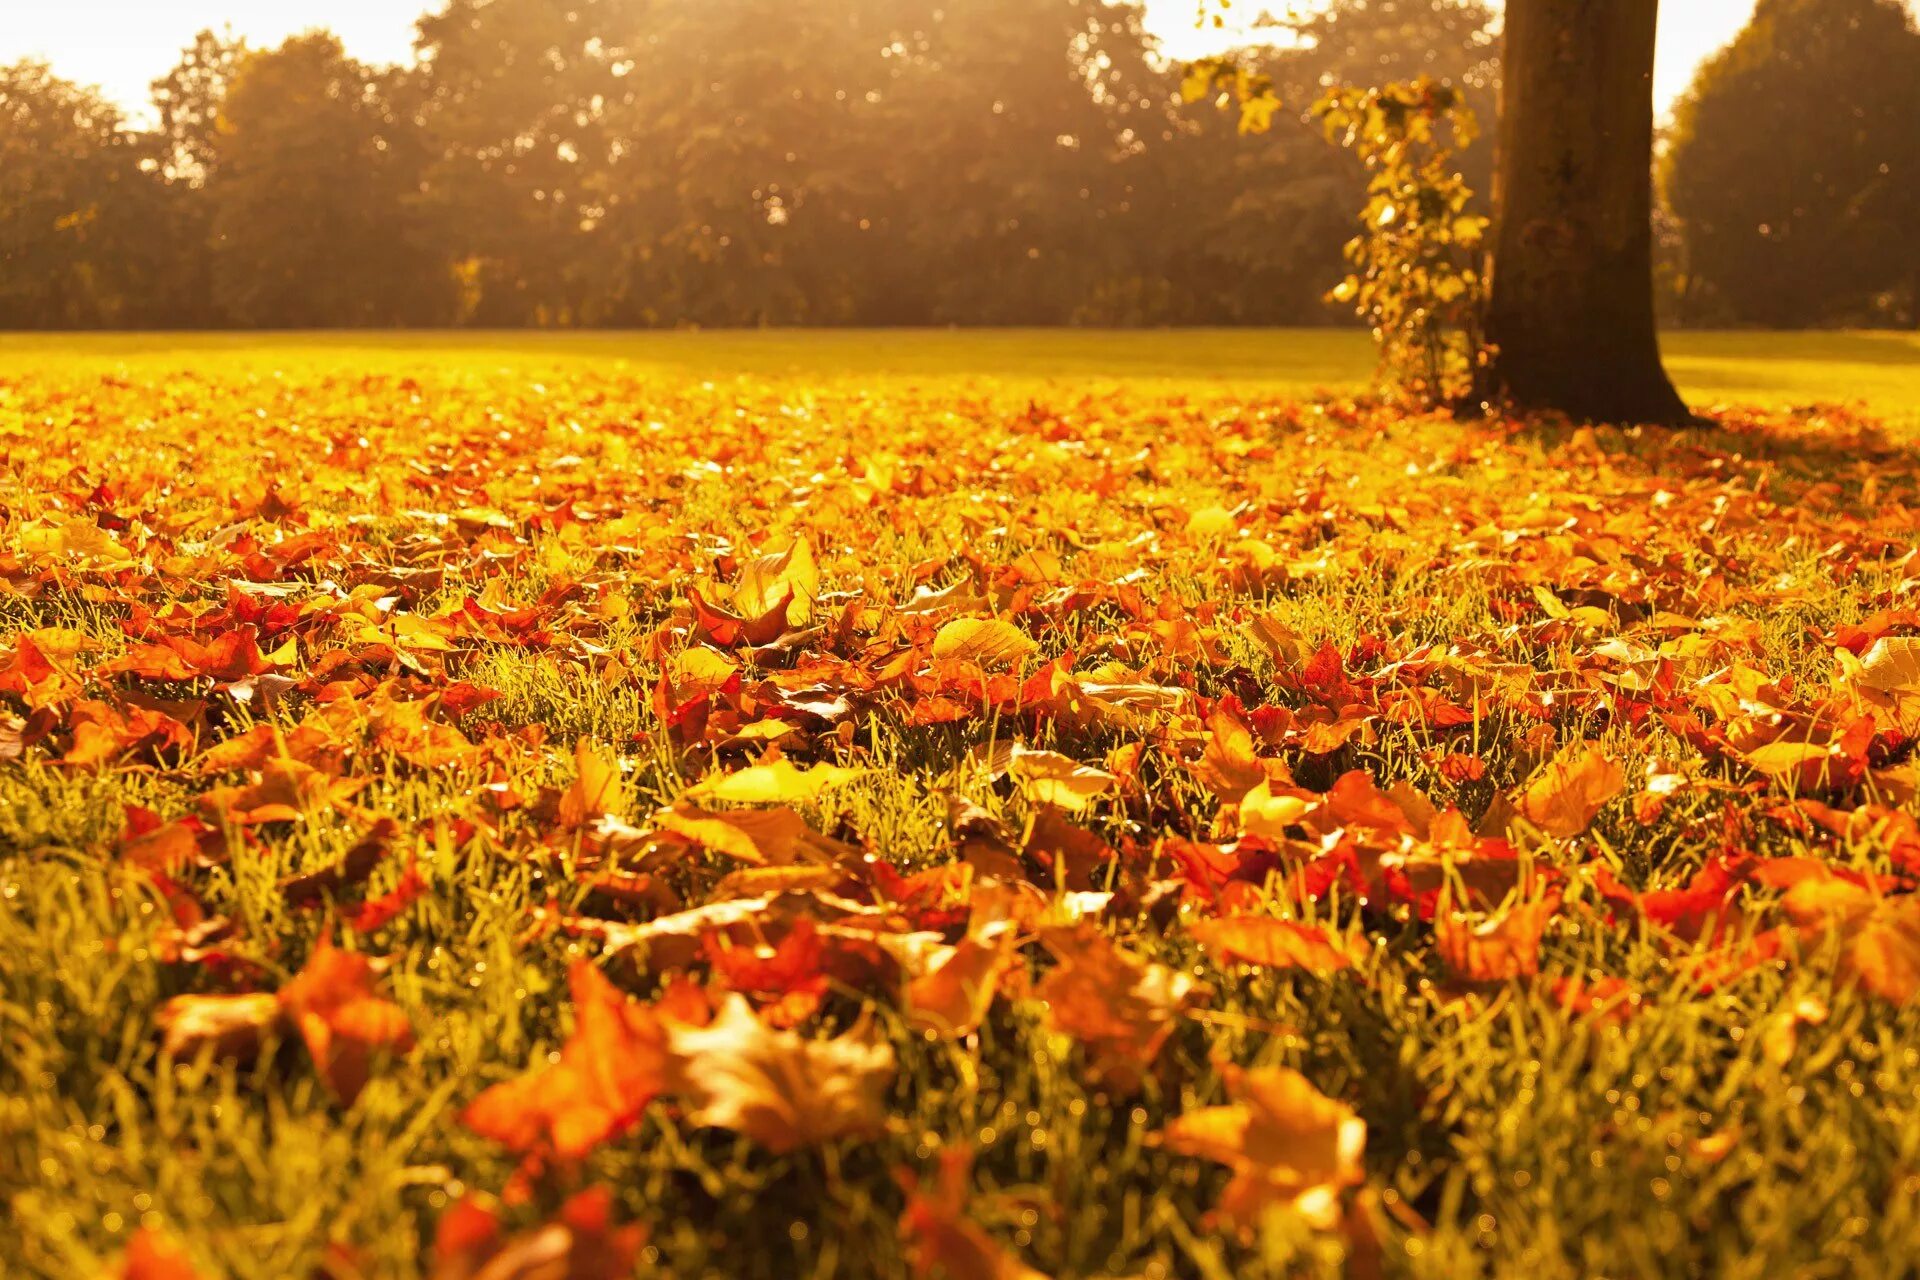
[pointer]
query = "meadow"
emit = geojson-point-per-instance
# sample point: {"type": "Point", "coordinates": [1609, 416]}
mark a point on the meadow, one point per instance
{"type": "Point", "coordinates": [995, 805]}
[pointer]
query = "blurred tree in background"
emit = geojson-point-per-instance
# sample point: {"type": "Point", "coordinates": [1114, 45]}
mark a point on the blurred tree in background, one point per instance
{"type": "Point", "coordinates": [314, 200]}
{"type": "Point", "coordinates": [840, 162]}
{"type": "Point", "coordinates": [78, 205]}
{"type": "Point", "coordinates": [1794, 169]}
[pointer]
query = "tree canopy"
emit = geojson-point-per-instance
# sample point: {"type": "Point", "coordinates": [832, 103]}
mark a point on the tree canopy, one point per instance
{"type": "Point", "coordinates": [836, 162]}
{"type": "Point", "coordinates": [1795, 168]}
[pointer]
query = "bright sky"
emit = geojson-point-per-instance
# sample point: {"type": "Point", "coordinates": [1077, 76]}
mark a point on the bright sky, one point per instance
{"type": "Point", "coordinates": [121, 45]}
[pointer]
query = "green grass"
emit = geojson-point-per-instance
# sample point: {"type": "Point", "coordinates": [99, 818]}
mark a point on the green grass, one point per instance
{"type": "Point", "coordinates": [1782, 369]}
{"type": "Point", "coordinates": [1532, 1143]}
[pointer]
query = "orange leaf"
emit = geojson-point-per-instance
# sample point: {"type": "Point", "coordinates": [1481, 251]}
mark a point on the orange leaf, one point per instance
{"type": "Point", "coordinates": [1273, 944]}
{"type": "Point", "coordinates": [1286, 1142]}
{"type": "Point", "coordinates": [778, 1088]}
{"type": "Point", "coordinates": [1563, 800]}
{"type": "Point", "coordinates": [332, 1004]}
{"type": "Point", "coordinates": [611, 1067]}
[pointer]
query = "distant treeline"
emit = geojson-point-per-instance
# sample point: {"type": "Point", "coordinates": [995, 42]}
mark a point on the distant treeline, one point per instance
{"type": "Point", "coordinates": [872, 162]}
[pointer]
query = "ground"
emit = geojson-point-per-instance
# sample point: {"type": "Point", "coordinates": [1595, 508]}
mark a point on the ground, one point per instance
{"type": "Point", "coordinates": [853, 805]}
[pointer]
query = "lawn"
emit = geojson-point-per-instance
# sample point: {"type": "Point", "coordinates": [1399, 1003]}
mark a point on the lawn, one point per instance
{"type": "Point", "coordinates": [1780, 369]}
{"type": "Point", "coordinates": [861, 805]}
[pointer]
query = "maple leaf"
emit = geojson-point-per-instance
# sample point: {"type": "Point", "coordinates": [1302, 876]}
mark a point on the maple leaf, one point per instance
{"type": "Point", "coordinates": [1286, 1142]}
{"type": "Point", "coordinates": [1121, 1009]}
{"type": "Point", "coordinates": [786, 578]}
{"type": "Point", "coordinates": [1563, 800]}
{"type": "Point", "coordinates": [952, 998]}
{"type": "Point", "coordinates": [1495, 947]}
{"type": "Point", "coordinates": [1274, 944]}
{"type": "Point", "coordinates": [1878, 935]}
{"type": "Point", "coordinates": [1230, 767]}
{"type": "Point", "coordinates": [331, 1002]}
{"type": "Point", "coordinates": [763, 837]}
{"type": "Point", "coordinates": [613, 1065]}
{"type": "Point", "coordinates": [943, 1240]}
{"type": "Point", "coordinates": [1047, 776]}
{"type": "Point", "coordinates": [1892, 664]}
{"type": "Point", "coordinates": [778, 1088]}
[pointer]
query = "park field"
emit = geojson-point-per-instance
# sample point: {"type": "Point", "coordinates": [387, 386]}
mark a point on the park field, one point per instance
{"type": "Point", "coordinates": [995, 805]}
{"type": "Point", "coordinates": [1881, 369]}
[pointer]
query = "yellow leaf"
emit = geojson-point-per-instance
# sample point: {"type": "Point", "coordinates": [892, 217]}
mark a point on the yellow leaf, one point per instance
{"type": "Point", "coordinates": [767, 579]}
{"type": "Point", "coordinates": [595, 789]}
{"type": "Point", "coordinates": [763, 837]}
{"type": "Point", "coordinates": [1570, 791]}
{"type": "Point", "coordinates": [1893, 663]}
{"type": "Point", "coordinates": [953, 997]}
{"type": "Point", "coordinates": [776, 783]}
{"type": "Point", "coordinates": [1052, 778]}
{"type": "Point", "coordinates": [1286, 1142]}
{"type": "Point", "coordinates": [987, 641]}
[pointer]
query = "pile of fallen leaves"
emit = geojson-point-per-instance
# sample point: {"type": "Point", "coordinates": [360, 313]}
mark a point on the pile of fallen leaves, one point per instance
{"type": "Point", "coordinates": [1196, 691]}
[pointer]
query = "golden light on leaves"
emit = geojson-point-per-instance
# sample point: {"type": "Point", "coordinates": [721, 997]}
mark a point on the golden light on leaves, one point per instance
{"type": "Point", "coordinates": [1570, 791]}
{"type": "Point", "coordinates": [1286, 1142]}
{"type": "Point", "coordinates": [792, 800]}
{"type": "Point", "coordinates": [780, 1089]}
{"type": "Point", "coordinates": [987, 641]}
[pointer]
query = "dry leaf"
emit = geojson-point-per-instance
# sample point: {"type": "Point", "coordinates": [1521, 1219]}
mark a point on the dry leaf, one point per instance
{"type": "Point", "coordinates": [989, 642]}
{"type": "Point", "coordinates": [1120, 1009]}
{"type": "Point", "coordinates": [952, 998]}
{"type": "Point", "coordinates": [595, 790]}
{"type": "Point", "coordinates": [1563, 800]}
{"type": "Point", "coordinates": [776, 783]}
{"type": "Point", "coordinates": [778, 1088]}
{"type": "Point", "coordinates": [1286, 1142]}
{"type": "Point", "coordinates": [1274, 944]}
{"type": "Point", "coordinates": [614, 1064]}
{"type": "Point", "coordinates": [331, 1002]}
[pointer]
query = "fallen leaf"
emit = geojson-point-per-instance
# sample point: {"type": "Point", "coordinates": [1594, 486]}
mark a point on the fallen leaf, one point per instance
{"type": "Point", "coordinates": [1563, 800]}
{"type": "Point", "coordinates": [778, 1088]}
{"type": "Point", "coordinates": [1286, 1142]}
{"type": "Point", "coordinates": [595, 789]}
{"type": "Point", "coordinates": [331, 1002]}
{"type": "Point", "coordinates": [1274, 944]}
{"type": "Point", "coordinates": [989, 642]}
{"type": "Point", "coordinates": [613, 1065]}
{"type": "Point", "coordinates": [1120, 1009]}
{"type": "Point", "coordinates": [776, 783]}
{"type": "Point", "coordinates": [953, 997]}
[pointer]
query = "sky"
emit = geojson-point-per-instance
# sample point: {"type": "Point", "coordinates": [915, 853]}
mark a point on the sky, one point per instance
{"type": "Point", "coordinates": [122, 45]}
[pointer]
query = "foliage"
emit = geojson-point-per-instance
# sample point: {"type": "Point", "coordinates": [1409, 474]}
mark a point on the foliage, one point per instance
{"type": "Point", "coordinates": [1794, 168]}
{"type": "Point", "coordinates": [1417, 279]}
{"type": "Point", "coordinates": [744, 162]}
{"type": "Point", "coordinates": [478, 814]}
{"type": "Point", "coordinates": [291, 243]}
{"type": "Point", "coordinates": [76, 208]}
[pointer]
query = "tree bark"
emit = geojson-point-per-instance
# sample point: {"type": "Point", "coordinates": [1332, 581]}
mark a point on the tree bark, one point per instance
{"type": "Point", "coordinates": [1570, 308]}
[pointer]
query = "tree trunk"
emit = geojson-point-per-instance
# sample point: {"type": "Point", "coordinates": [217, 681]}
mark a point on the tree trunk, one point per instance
{"type": "Point", "coordinates": [1570, 309]}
